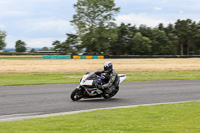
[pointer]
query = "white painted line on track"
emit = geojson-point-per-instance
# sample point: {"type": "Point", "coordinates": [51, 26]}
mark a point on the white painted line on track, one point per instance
{"type": "Point", "coordinates": [16, 115]}
{"type": "Point", "coordinates": [22, 117]}
{"type": "Point", "coordinates": [12, 117]}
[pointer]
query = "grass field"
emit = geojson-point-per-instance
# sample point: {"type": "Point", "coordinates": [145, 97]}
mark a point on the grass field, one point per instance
{"type": "Point", "coordinates": [34, 70]}
{"type": "Point", "coordinates": [170, 118]}
{"type": "Point", "coordinates": [81, 66]}
{"type": "Point", "coordinates": [58, 78]}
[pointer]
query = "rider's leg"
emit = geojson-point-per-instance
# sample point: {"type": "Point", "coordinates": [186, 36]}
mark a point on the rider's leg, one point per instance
{"type": "Point", "coordinates": [108, 91]}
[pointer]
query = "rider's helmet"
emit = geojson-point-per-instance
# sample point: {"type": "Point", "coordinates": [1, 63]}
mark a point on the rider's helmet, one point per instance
{"type": "Point", "coordinates": [108, 67]}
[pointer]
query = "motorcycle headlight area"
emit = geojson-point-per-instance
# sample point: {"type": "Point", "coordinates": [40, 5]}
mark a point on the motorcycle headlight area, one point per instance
{"type": "Point", "coordinates": [86, 82]}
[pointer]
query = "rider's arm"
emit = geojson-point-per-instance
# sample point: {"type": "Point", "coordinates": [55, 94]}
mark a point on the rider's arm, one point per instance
{"type": "Point", "coordinates": [99, 72]}
{"type": "Point", "coordinates": [110, 82]}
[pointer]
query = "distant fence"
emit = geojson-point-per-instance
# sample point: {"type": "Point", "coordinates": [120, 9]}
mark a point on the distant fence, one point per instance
{"type": "Point", "coordinates": [87, 57]}
{"type": "Point", "coordinates": [150, 56]}
{"type": "Point", "coordinates": [115, 56]}
{"type": "Point", "coordinates": [56, 56]}
{"type": "Point", "coordinates": [72, 57]}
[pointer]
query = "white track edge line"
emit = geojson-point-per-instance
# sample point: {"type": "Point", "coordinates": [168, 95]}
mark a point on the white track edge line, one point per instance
{"type": "Point", "coordinates": [89, 110]}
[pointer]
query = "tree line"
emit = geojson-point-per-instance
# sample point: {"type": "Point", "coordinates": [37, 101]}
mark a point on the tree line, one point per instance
{"type": "Point", "coordinates": [180, 38]}
{"type": "Point", "coordinates": [97, 32]}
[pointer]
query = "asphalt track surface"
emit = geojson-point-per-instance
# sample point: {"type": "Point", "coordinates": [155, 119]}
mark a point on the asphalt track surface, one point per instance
{"type": "Point", "coordinates": [30, 100]}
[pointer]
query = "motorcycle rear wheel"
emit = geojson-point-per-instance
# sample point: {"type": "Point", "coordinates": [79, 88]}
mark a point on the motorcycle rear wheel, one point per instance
{"type": "Point", "coordinates": [112, 94]}
{"type": "Point", "coordinates": [76, 95]}
{"type": "Point", "coordinates": [115, 91]}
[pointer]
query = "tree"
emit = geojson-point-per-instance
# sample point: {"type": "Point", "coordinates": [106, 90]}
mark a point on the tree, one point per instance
{"type": "Point", "coordinates": [192, 38]}
{"type": "Point", "coordinates": [160, 43]}
{"type": "Point", "coordinates": [72, 42]}
{"type": "Point", "coordinates": [197, 42]}
{"type": "Point", "coordinates": [161, 27]}
{"type": "Point", "coordinates": [123, 44]}
{"type": "Point", "coordinates": [20, 46]}
{"type": "Point", "coordinates": [182, 27]}
{"type": "Point", "coordinates": [32, 50]}
{"type": "Point", "coordinates": [61, 47]}
{"type": "Point", "coordinates": [2, 39]}
{"type": "Point", "coordinates": [173, 39]}
{"type": "Point", "coordinates": [141, 45]}
{"type": "Point", "coordinates": [132, 32]}
{"type": "Point", "coordinates": [68, 46]}
{"type": "Point", "coordinates": [145, 31]}
{"type": "Point", "coordinates": [45, 49]}
{"type": "Point", "coordinates": [93, 20]}
{"type": "Point", "coordinates": [57, 45]}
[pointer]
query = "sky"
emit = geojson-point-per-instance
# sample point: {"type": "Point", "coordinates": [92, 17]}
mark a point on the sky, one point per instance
{"type": "Point", "coordinates": [40, 22]}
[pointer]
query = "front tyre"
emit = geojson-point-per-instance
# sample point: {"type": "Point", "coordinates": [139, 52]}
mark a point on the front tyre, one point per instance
{"type": "Point", "coordinates": [76, 95]}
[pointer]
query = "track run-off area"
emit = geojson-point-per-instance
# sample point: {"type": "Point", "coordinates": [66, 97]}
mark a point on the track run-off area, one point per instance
{"type": "Point", "coordinates": [30, 101]}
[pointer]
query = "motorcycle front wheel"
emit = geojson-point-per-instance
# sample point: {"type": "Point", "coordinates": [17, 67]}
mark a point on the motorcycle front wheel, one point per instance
{"type": "Point", "coordinates": [76, 95]}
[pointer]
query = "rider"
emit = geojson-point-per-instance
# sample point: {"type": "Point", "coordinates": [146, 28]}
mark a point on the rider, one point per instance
{"type": "Point", "coordinates": [111, 76]}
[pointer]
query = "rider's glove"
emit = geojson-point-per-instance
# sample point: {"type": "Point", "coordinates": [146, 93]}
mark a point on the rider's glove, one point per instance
{"type": "Point", "coordinates": [103, 76]}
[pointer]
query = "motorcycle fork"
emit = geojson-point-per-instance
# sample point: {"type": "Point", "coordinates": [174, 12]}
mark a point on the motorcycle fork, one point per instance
{"type": "Point", "coordinates": [83, 90]}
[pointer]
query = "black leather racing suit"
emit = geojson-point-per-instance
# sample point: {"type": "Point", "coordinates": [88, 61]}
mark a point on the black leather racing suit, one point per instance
{"type": "Point", "coordinates": [112, 78]}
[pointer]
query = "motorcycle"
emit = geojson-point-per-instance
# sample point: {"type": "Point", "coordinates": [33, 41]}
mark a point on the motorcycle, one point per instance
{"type": "Point", "coordinates": [87, 89]}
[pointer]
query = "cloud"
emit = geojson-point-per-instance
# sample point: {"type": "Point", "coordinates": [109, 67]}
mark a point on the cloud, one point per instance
{"type": "Point", "coordinates": [33, 42]}
{"type": "Point", "coordinates": [138, 19]}
{"type": "Point", "coordinates": [41, 28]}
{"type": "Point", "coordinates": [157, 8]}
{"type": "Point", "coordinates": [2, 26]}
{"type": "Point", "coordinates": [13, 13]}
{"type": "Point", "coordinates": [4, 2]}
{"type": "Point", "coordinates": [50, 25]}
{"type": "Point", "coordinates": [163, 1]}
{"type": "Point", "coordinates": [181, 11]}
{"type": "Point", "coordinates": [39, 32]}
{"type": "Point", "coordinates": [41, 42]}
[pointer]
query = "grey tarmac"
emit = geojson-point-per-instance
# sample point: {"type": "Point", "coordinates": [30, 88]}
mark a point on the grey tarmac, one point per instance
{"type": "Point", "coordinates": [30, 100]}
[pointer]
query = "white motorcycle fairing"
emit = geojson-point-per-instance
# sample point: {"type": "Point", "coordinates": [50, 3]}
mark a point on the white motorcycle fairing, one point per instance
{"type": "Point", "coordinates": [122, 77]}
{"type": "Point", "coordinates": [86, 82]}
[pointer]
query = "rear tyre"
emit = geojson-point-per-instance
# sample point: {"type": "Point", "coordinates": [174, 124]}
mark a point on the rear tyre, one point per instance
{"type": "Point", "coordinates": [112, 94]}
{"type": "Point", "coordinates": [106, 96]}
{"type": "Point", "coordinates": [76, 95]}
{"type": "Point", "coordinates": [115, 91]}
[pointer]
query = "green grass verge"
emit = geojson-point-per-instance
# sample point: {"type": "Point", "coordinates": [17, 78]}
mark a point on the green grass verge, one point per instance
{"type": "Point", "coordinates": [39, 78]}
{"type": "Point", "coordinates": [169, 118]}
{"type": "Point", "coordinates": [58, 78]}
{"type": "Point", "coordinates": [148, 76]}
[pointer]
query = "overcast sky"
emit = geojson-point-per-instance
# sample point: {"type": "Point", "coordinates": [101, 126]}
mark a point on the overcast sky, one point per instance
{"type": "Point", "coordinates": [40, 22]}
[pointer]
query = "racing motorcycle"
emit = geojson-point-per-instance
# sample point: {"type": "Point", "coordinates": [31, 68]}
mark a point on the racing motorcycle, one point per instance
{"type": "Point", "coordinates": [87, 89]}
